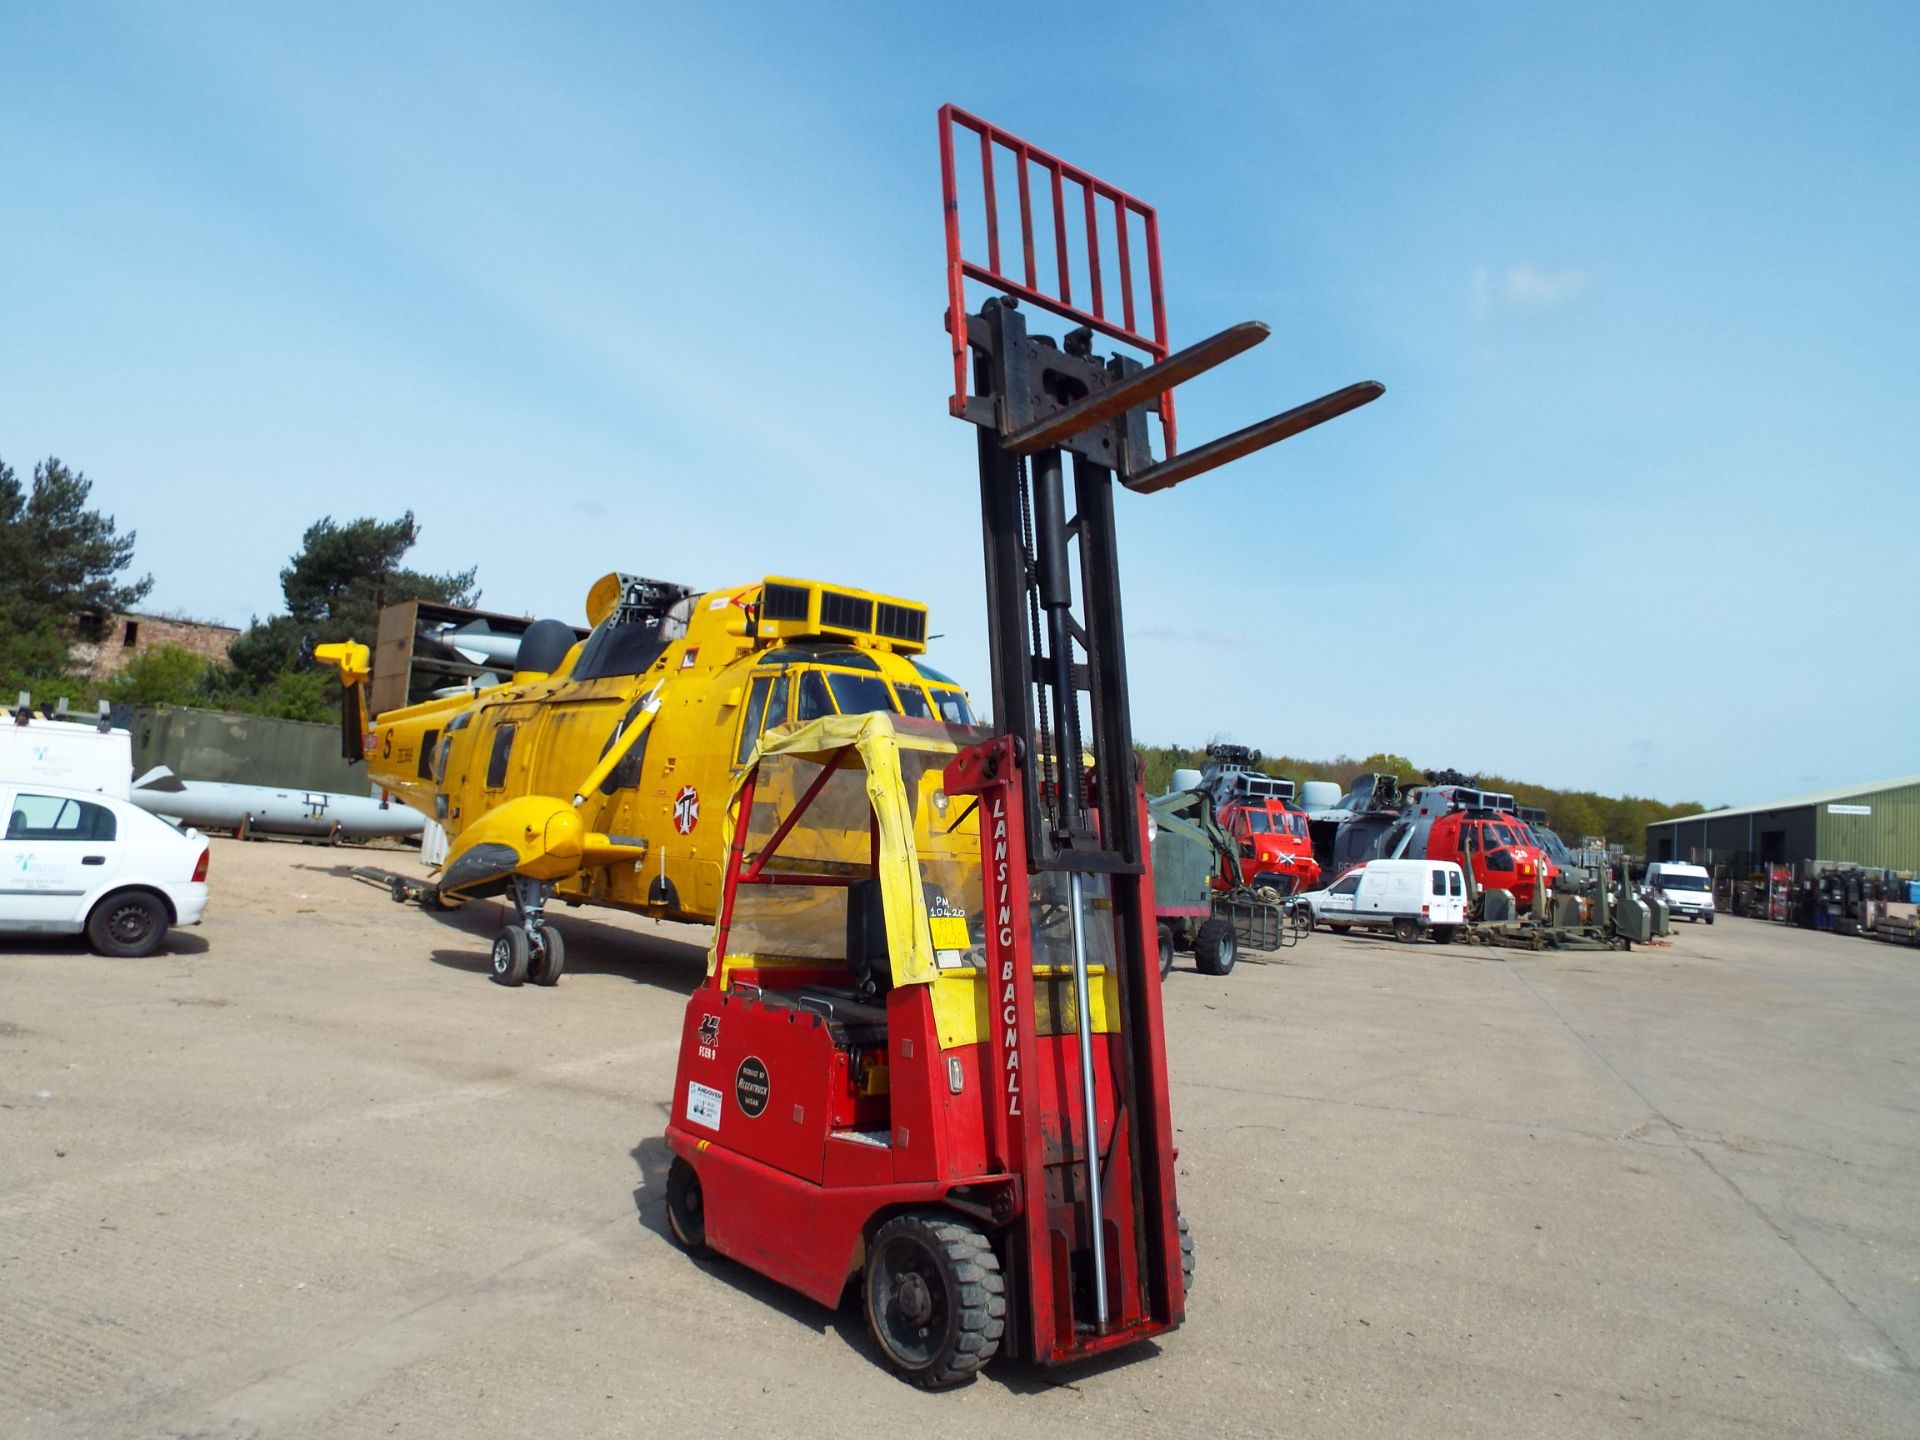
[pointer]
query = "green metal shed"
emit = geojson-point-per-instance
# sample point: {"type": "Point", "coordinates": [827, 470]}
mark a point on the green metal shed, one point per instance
{"type": "Point", "coordinates": [1875, 824]}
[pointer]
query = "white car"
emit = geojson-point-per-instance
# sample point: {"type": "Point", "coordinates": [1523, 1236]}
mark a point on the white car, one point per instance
{"type": "Point", "coordinates": [1410, 897]}
{"type": "Point", "coordinates": [78, 860]}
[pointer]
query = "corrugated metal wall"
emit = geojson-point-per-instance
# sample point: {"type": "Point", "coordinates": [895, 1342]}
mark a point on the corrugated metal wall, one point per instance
{"type": "Point", "coordinates": [1889, 838]}
{"type": "Point", "coordinates": [243, 749]}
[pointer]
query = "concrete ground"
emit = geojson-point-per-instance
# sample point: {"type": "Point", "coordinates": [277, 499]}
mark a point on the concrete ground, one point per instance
{"type": "Point", "coordinates": [310, 1174]}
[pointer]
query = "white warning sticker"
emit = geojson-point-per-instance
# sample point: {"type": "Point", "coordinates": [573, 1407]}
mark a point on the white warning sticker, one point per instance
{"type": "Point", "coordinates": [703, 1105]}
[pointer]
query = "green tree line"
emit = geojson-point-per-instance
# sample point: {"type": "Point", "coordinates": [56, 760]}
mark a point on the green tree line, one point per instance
{"type": "Point", "coordinates": [1573, 814]}
{"type": "Point", "coordinates": [63, 578]}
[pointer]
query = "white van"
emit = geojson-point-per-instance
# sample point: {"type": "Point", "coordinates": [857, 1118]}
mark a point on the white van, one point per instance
{"type": "Point", "coordinates": [1687, 889]}
{"type": "Point", "coordinates": [1409, 897]}
{"type": "Point", "coordinates": [73, 754]}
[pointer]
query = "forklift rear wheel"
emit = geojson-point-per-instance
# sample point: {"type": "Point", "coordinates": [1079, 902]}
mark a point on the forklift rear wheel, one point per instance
{"type": "Point", "coordinates": [510, 956]}
{"type": "Point", "coordinates": [936, 1303]}
{"type": "Point", "coordinates": [1406, 930]}
{"type": "Point", "coordinates": [549, 963]}
{"type": "Point", "coordinates": [1186, 1255]}
{"type": "Point", "coordinates": [686, 1209]}
{"type": "Point", "coordinates": [1166, 952]}
{"type": "Point", "coordinates": [1215, 948]}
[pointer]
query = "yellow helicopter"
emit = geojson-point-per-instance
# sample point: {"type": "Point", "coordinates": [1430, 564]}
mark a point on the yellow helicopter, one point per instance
{"type": "Point", "coordinates": [600, 772]}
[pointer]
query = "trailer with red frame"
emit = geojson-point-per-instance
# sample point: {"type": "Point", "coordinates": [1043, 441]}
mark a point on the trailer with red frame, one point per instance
{"type": "Point", "coordinates": [928, 1051]}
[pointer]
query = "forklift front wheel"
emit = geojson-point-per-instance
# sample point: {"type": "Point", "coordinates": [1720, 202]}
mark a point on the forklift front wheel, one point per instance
{"type": "Point", "coordinates": [510, 956]}
{"type": "Point", "coordinates": [936, 1302]}
{"type": "Point", "coordinates": [686, 1209]}
{"type": "Point", "coordinates": [1166, 952]}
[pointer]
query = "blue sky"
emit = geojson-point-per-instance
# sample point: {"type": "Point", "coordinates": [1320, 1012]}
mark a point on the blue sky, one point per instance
{"type": "Point", "coordinates": [658, 288]}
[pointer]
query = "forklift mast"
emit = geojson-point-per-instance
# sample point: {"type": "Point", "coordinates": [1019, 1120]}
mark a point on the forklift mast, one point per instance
{"type": "Point", "coordinates": [1072, 838]}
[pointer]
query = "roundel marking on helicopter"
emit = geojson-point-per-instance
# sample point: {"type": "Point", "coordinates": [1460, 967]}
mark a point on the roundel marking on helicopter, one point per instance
{"type": "Point", "coordinates": [686, 809]}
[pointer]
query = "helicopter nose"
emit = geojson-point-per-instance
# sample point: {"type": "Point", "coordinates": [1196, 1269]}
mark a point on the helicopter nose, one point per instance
{"type": "Point", "coordinates": [564, 834]}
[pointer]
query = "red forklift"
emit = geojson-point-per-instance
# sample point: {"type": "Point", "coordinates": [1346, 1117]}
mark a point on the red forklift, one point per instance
{"type": "Point", "coordinates": [928, 1052]}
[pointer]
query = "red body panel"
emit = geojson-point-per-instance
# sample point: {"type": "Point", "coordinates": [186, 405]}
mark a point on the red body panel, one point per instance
{"type": "Point", "coordinates": [1497, 861]}
{"type": "Point", "coordinates": [1282, 848]}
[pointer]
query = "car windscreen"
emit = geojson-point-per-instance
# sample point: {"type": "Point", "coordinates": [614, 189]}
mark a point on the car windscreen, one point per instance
{"type": "Point", "coordinates": [1682, 882]}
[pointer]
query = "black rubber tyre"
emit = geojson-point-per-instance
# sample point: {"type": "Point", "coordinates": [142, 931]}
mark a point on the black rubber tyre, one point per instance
{"type": "Point", "coordinates": [1406, 930]}
{"type": "Point", "coordinates": [1216, 947]}
{"type": "Point", "coordinates": [128, 924]}
{"type": "Point", "coordinates": [1443, 934]}
{"type": "Point", "coordinates": [1166, 952]}
{"type": "Point", "coordinates": [510, 956]}
{"type": "Point", "coordinates": [1186, 1255]}
{"type": "Point", "coordinates": [1338, 929]}
{"type": "Point", "coordinates": [686, 1207]}
{"type": "Point", "coordinates": [549, 960]}
{"type": "Point", "coordinates": [1709, 919]}
{"type": "Point", "coordinates": [935, 1299]}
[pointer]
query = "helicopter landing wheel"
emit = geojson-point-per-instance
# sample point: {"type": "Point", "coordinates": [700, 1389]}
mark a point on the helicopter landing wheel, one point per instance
{"type": "Point", "coordinates": [935, 1301]}
{"type": "Point", "coordinates": [510, 955]}
{"type": "Point", "coordinates": [549, 959]}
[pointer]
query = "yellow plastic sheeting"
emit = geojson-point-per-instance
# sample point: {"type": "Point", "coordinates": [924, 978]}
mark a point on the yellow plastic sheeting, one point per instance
{"type": "Point", "coordinates": [877, 740]}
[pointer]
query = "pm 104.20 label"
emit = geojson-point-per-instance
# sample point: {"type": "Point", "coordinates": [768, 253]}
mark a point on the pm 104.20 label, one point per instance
{"type": "Point", "coordinates": [703, 1105]}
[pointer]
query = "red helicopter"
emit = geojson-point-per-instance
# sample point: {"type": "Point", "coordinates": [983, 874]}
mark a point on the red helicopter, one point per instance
{"type": "Point", "coordinates": [1257, 810]}
{"type": "Point", "coordinates": [1479, 830]}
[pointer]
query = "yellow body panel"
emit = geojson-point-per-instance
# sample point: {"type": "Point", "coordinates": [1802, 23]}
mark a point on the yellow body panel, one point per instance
{"type": "Point", "coordinates": [650, 805]}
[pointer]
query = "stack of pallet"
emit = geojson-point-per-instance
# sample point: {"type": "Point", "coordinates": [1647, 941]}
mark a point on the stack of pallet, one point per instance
{"type": "Point", "coordinates": [1896, 923]}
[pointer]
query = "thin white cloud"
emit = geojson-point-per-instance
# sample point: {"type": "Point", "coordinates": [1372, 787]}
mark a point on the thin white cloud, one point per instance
{"type": "Point", "coordinates": [1525, 287]}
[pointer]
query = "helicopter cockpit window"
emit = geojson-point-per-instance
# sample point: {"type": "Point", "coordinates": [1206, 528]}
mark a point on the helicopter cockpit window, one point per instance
{"type": "Point", "coordinates": [756, 712]}
{"type": "Point", "coordinates": [814, 700]}
{"type": "Point", "coordinates": [953, 706]}
{"type": "Point", "coordinates": [776, 704]}
{"type": "Point", "coordinates": [912, 701]}
{"type": "Point", "coordinates": [860, 694]}
{"type": "Point", "coordinates": [497, 761]}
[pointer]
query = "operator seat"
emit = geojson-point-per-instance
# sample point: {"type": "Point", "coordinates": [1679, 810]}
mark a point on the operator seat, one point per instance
{"type": "Point", "coordinates": [868, 958]}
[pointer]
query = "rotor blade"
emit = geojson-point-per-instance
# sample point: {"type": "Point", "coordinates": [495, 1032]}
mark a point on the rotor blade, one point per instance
{"type": "Point", "coordinates": [1190, 463]}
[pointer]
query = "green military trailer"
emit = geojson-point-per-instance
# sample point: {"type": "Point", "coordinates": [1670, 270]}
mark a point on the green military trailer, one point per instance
{"type": "Point", "coordinates": [1198, 899]}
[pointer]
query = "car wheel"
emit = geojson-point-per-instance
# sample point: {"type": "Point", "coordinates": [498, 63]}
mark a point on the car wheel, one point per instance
{"type": "Point", "coordinates": [1406, 930]}
{"type": "Point", "coordinates": [1443, 934]}
{"type": "Point", "coordinates": [128, 925]}
{"type": "Point", "coordinates": [1166, 952]}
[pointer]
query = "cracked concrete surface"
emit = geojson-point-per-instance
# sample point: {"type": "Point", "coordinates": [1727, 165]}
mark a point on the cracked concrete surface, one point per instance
{"type": "Point", "coordinates": [309, 1174]}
